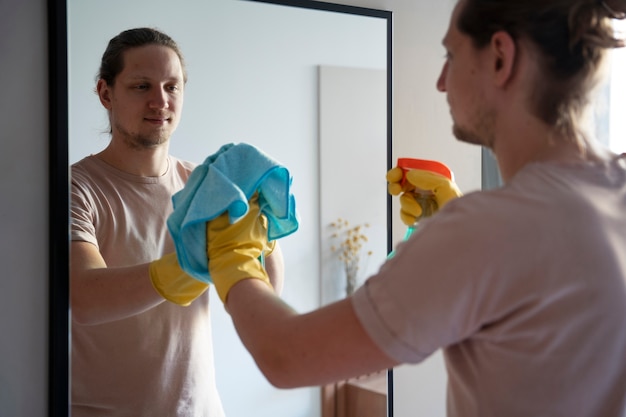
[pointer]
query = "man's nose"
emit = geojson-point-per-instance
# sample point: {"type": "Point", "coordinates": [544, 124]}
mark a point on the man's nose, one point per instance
{"type": "Point", "coordinates": [159, 99]}
{"type": "Point", "coordinates": [441, 81]}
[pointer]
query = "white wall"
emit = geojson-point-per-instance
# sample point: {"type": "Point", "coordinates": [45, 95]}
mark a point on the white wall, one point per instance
{"type": "Point", "coordinates": [23, 209]}
{"type": "Point", "coordinates": [421, 129]}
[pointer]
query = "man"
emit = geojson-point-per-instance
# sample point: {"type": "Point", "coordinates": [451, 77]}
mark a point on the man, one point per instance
{"type": "Point", "coordinates": [133, 353]}
{"type": "Point", "coordinates": [523, 287]}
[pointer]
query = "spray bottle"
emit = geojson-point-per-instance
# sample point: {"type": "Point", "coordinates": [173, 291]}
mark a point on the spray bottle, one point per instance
{"type": "Point", "coordinates": [425, 198]}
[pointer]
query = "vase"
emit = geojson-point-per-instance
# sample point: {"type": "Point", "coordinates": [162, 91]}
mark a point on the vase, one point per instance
{"type": "Point", "coordinates": [350, 282]}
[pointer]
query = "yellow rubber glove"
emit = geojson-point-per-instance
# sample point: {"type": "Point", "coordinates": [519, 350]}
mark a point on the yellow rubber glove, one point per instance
{"type": "Point", "coordinates": [234, 249]}
{"type": "Point", "coordinates": [394, 180]}
{"type": "Point", "coordinates": [172, 283]}
{"type": "Point", "coordinates": [435, 189]}
{"type": "Point", "coordinates": [271, 245]}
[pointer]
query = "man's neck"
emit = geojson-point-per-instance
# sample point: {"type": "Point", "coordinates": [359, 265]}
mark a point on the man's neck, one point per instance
{"type": "Point", "coordinates": [141, 162]}
{"type": "Point", "coordinates": [529, 140]}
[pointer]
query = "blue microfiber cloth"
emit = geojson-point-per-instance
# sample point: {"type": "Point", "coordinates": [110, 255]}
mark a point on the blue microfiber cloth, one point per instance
{"type": "Point", "coordinates": [225, 181]}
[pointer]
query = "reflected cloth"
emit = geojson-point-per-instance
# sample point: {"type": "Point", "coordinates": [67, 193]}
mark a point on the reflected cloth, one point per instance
{"type": "Point", "coordinates": [225, 181]}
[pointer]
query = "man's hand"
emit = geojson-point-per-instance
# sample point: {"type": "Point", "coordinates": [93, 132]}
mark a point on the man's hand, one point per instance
{"type": "Point", "coordinates": [417, 185]}
{"type": "Point", "coordinates": [172, 283]}
{"type": "Point", "coordinates": [235, 250]}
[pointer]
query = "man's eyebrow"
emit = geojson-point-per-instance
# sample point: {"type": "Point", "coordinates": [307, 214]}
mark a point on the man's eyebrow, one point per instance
{"type": "Point", "coordinates": [146, 78]}
{"type": "Point", "coordinates": [139, 77]}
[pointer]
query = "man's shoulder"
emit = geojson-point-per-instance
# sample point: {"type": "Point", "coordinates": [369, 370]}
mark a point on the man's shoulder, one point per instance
{"type": "Point", "coordinates": [183, 164]}
{"type": "Point", "coordinates": [84, 169]}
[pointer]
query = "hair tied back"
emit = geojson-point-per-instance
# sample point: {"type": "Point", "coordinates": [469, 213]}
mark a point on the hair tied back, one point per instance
{"type": "Point", "coordinates": [614, 14]}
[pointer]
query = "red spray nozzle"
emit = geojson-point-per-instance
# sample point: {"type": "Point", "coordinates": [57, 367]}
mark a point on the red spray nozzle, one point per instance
{"type": "Point", "coordinates": [407, 164]}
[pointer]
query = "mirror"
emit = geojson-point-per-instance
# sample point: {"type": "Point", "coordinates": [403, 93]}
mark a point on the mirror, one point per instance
{"type": "Point", "coordinates": [308, 82]}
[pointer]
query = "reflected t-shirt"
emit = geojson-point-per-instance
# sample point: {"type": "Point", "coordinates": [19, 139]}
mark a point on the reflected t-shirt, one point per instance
{"type": "Point", "coordinates": [160, 362]}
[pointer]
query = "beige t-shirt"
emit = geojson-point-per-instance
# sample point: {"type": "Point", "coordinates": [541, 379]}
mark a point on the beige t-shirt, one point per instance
{"type": "Point", "coordinates": [524, 287]}
{"type": "Point", "coordinates": [160, 362]}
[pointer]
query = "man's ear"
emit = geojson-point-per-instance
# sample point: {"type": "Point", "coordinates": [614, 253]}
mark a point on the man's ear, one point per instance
{"type": "Point", "coordinates": [504, 52]}
{"type": "Point", "coordinates": [104, 93]}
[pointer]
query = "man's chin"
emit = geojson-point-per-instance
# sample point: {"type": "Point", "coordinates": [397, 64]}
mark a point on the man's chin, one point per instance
{"type": "Point", "coordinates": [145, 140]}
{"type": "Point", "coordinates": [153, 141]}
{"type": "Point", "coordinates": [466, 136]}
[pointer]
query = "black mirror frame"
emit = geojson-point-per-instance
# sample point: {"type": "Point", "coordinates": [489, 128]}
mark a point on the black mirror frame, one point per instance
{"type": "Point", "coordinates": [58, 253]}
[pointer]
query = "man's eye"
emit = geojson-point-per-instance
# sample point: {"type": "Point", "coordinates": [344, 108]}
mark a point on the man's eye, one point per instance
{"type": "Point", "coordinates": [173, 88]}
{"type": "Point", "coordinates": [141, 86]}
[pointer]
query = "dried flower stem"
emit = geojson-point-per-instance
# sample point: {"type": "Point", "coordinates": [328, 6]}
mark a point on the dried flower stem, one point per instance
{"type": "Point", "coordinates": [349, 249]}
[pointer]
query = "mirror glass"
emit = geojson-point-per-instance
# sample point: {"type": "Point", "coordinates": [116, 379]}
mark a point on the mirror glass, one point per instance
{"type": "Point", "coordinates": [305, 81]}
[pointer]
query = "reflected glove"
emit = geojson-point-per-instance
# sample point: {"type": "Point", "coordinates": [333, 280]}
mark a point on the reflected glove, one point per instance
{"type": "Point", "coordinates": [172, 283]}
{"type": "Point", "coordinates": [235, 250]}
{"type": "Point", "coordinates": [416, 184]}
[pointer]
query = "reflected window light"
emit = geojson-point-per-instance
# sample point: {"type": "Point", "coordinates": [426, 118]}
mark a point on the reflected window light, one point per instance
{"type": "Point", "coordinates": [617, 101]}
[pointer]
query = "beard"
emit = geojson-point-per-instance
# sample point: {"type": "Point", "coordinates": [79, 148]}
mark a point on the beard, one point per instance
{"type": "Point", "coordinates": [137, 140]}
{"type": "Point", "coordinates": [466, 135]}
{"type": "Point", "coordinates": [481, 133]}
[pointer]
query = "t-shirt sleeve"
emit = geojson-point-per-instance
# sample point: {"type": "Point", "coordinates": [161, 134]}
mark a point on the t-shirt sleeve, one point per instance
{"type": "Point", "coordinates": [435, 291]}
{"type": "Point", "coordinates": [81, 213]}
{"type": "Point", "coordinates": [377, 312]}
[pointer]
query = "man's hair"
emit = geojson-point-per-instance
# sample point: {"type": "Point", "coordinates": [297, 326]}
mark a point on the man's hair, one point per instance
{"type": "Point", "coordinates": [570, 36]}
{"type": "Point", "coordinates": [113, 58]}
